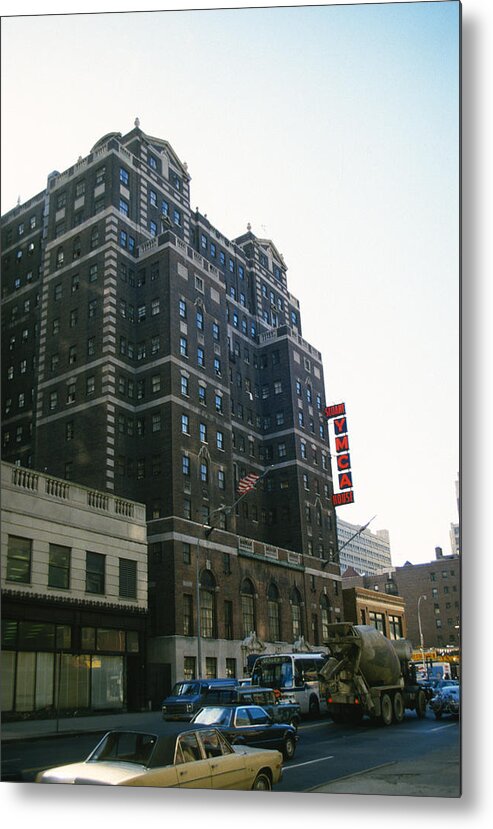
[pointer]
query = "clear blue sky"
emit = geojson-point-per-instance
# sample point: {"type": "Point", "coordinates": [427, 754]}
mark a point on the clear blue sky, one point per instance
{"type": "Point", "coordinates": [334, 130]}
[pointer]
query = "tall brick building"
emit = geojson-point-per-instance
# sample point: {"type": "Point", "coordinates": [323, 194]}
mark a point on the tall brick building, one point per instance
{"type": "Point", "coordinates": [439, 581]}
{"type": "Point", "coordinates": [147, 355]}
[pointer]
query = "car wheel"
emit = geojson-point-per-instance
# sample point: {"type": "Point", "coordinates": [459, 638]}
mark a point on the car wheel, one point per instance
{"type": "Point", "coordinates": [398, 707]}
{"type": "Point", "coordinates": [386, 709]}
{"type": "Point", "coordinates": [421, 705]}
{"type": "Point", "coordinates": [289, 748]}
{"type": "Point", "coordinates": [262, 783]}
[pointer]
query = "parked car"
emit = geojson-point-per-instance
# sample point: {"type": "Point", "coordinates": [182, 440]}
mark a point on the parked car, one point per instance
{"type": "Point", "coordinates": [172, 755]}
{"type": "Point", "coordinates": [279, 709]}
{"type": "Point", "coordinates": [250, 725]}
{"type": "Point", "coordinates": [189, 696]}
{"type": "Point", "coordinates": [446, 701]}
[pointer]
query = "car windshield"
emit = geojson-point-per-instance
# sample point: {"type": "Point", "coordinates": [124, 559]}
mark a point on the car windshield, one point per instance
{"type": "Point", "coordinates": [185, 689]}
{"type": "Point", "coordinates": [124, 746]}
{"type": "Point", "coordinates": [213, 715]}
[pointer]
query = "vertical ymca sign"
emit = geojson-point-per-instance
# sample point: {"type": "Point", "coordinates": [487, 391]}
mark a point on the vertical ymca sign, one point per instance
{"type": "Point", "coordinates": [338, 415]}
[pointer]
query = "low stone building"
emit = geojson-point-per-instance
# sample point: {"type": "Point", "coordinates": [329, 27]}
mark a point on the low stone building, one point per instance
{"type": "Point", "coordinates": [369, 607]}
{"type": "Point", "coordinates": [74, 597]}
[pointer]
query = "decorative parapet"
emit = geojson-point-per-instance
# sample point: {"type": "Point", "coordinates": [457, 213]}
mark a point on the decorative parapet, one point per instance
{"type": "Point", "coordinates": [31, 482]}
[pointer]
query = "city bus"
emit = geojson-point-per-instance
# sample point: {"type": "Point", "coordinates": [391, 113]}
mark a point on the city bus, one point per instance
{"type": "Point", "coordinates": [294, 676]}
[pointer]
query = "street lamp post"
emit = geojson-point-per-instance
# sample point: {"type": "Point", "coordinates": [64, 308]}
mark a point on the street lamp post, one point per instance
{"type": "Point", "coordinates": [421, 634]}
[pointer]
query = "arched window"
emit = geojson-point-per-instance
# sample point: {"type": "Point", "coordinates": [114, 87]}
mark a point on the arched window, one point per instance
{"type": "Point", "coordinates": [247, 593]}
{"type": "Point", "coordinates": [296, 614]}
{"type": "Point", "coordinates": [207, 605]}
{"type": "Point", "coordinates": [325, 613]}
{"type": "Point", "coordinates": [274, 613]}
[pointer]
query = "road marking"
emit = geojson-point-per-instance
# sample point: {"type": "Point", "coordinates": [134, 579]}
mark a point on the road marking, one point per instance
{"type": "Point", "coordinates": [441, 727]}
{"type": "Point", "coordinates": [315, 725]}
{"type": "Point", "coordinates": [308, 763]}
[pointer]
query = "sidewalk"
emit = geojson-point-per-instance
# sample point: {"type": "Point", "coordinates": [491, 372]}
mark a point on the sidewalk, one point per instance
{"type": "Point", "coordinates": [437, 774]}
{"type": "Point", "coordinates": [32, 729]}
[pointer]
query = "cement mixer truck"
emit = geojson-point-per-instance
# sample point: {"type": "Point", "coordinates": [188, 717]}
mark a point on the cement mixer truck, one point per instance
{"type": "Point", "coordinates": [366, 673]}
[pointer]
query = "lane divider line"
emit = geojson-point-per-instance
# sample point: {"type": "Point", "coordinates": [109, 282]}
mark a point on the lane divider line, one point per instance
{"type": "Point", "coordinates": [308, 763]}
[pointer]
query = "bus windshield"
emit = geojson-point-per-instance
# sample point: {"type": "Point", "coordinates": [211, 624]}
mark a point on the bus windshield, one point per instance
{"type": "Point", "coordinates": [275, 672]}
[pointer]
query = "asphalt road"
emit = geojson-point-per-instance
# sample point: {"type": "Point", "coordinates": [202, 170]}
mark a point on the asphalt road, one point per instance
{"type": "Point", "coordinates": [325, 752]}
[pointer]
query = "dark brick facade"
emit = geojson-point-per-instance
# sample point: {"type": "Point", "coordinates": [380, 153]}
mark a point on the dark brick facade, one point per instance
{"type": "Point", "coordinates": [439, 581]}
{"type": "Point", "coordinates": [163, 362]}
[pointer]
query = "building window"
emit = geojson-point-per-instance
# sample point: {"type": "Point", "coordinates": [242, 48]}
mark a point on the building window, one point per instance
{"type": "Point", "coordinates": [187, 508]}
{"type": "Point", "coordinates": [230, 668]}
{"type": "Point", "coordinates": [124, 207]}
{"type": "Point", "coordinates": [221, 479]}
{"type": "Point", "coordinates": [185, 424]}
{"type": "Point", "coordinates": [207, 605]}
{"type": "Point", "coordinates": [296, 615]}
{"type": "Point", "coordinates": [204, 472]}
{"type": "Point", "coordinates": [95, 571]}
{"type": "Point", "coordinates": [378, 621]}
{"type": "Point", "coordinates": [127, 578]}
{"type": "Point", "coordinates": [184, 385]}
{"type": "Point", "coordinates": [217, 367]}
{"type": "Point", "coordinates": [247, 595]}
{"type": "Point", "coordinates": [325, 614]}
{"type": "Point", "coordinates": [69, 430]}
{"type": "Point", "coordinates": [124, 176]}
{"type": "Point", "coordinates": [274, 613]}
{"type": "Point", "coordinates": [177, 217]}
{"type": "Point", "coordinates": [19, 552]}
{"type": "Point", "coordinates": [59, 567]}
{"type": "Point", "coordinates": [395, 627]}
{"type": "Point", "coordinates": [203, 432]}
{"type": "Point", "coordinates": [185, 465]}
{"type": "Point", "coordinates": [210, 667]}
{"type": "Point", "coordinates": [220, 440]}
{"type": "Point", "coordinates": [187, 553]}
{"type": "Point", "coordinates": [281, 448]}
{"type": "Point", "coordinates": [228, 620]}
{"type": "Point", "coordinates": [183, 347]}
{"type": "Point", "coordinates": [200, 357]}
{"type": "Point", "coordinates": [189, 667]}
{"type": "Point", "coordinates": [187, 615]}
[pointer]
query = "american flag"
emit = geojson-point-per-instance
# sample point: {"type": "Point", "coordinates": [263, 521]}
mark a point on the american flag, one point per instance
{"type": "Point", "coordinates": [247, 483]}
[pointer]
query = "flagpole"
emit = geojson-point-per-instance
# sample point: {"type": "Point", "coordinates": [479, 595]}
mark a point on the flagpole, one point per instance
{"type": "Point", "coordinates": [228, 510]}
{"type": "Point", "coordinates": [358, 532]}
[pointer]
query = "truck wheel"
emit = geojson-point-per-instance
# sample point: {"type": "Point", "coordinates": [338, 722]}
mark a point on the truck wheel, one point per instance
{"type": "Point", "coordinates": [386, 709]}
{"type": "Point", "coordinates": [421, 704]}
{"type": "Point", "coordinates": [398, 707]}
{"type": "Point", "coordinates": [314, 707]}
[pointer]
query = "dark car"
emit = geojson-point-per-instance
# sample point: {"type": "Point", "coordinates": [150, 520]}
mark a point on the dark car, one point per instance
{"type": "Point", "coordinates": [277, 708]}
{"type": "Point", "coordinates": [250, 725]}
{"type": "Point", "coordinates": [189, 696]}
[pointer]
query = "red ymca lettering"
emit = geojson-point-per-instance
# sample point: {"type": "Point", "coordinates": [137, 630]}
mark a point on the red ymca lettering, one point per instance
{"type": "Point", "coordinates": [343, 461]}
{"type": "Point", "coordinates": [345, 481]}
{"type": "Point", "coordinates": [340, 425]}
{"type": "Point", "coordinates": [342, 444]}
